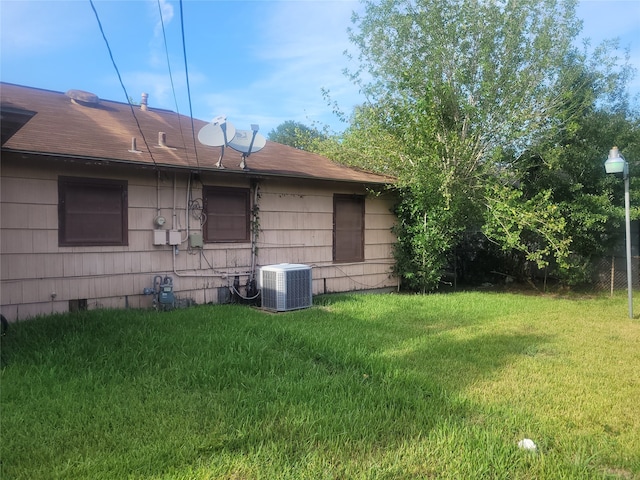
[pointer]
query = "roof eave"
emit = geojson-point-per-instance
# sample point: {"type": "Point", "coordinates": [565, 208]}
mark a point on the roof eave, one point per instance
{"type": "Point", "coordinates": [194, 168]}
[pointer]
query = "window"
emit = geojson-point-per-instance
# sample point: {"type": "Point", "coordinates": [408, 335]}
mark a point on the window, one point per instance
{"type": "Point", "coordinates": [227, 212]}
{"type": "Point", "coordinates": [348, 228]}
{"type": "Point", "coordinates": [92, 212]}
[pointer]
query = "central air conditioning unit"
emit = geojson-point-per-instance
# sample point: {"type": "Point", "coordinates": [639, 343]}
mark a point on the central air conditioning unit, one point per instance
{"type": "Point", "coordinates": [286, 286]}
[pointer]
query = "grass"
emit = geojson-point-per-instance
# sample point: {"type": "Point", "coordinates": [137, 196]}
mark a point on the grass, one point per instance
{"type": "Point", "coordinates": [356, 387]}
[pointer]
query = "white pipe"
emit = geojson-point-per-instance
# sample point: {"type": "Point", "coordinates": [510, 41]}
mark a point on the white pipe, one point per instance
{"type": "Point", "coordinates": [173, 214]}
{"type": "Point", "coordinates": [158, 194]}
{"type": "Point", "coordinates": [186, 207]}
{"type": "Point", "coordinates": [205, 275]}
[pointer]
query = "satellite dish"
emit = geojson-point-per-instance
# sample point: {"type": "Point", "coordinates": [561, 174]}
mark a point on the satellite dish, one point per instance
{"type": "Point", "coordinates": [248, 142]}
{"type": "Point", "coordinates": [217, 133]}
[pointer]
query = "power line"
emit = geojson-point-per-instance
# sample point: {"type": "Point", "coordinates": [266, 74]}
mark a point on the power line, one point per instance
{"type": "Point", "coordinates": [173, 89]}
{"type": "Point", "coordinates": [186, 71]}
{"type": "Point", "coordinates": [122, 83]}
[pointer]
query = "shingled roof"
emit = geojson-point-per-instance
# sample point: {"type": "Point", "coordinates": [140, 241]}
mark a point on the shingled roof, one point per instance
{"type": "Point", "coordinates": [79, 125]}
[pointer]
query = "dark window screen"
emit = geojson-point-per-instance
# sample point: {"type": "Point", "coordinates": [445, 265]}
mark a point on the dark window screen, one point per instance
{"type": "Point", "coordinates": [348, 228]}
{"type": "Point", "coordinates": [227, 212]}
{"type": "Point", "coordinates": [92, 212]}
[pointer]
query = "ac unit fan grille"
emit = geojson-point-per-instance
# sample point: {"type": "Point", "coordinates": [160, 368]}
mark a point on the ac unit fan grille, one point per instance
{"type": "Point", "coordinates": [286, 288]}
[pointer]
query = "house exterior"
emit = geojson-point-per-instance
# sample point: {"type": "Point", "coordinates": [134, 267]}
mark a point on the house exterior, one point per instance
{"type": "Point", "coordinates": [101, 200]}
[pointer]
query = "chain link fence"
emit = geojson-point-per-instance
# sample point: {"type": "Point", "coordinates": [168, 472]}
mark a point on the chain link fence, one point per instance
{"type": "Point", "coordinates": [611, 273]}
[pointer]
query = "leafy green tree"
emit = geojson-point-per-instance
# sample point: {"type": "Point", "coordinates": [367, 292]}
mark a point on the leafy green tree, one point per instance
{"type": "Point", "coordinates": [295, 134]}
{"type": "Point", "coordinates": [458, 92]}
{"type": "Point", "coordinates": [570, 166]}
{"type": "Point", "coordinates": [457, 83]}
{"type": "Point", "coordinates": [596, 113]}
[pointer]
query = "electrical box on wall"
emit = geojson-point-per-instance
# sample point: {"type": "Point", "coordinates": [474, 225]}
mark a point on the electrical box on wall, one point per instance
{"type": "Point", "coordinates": [195, 240]}
{"type": "Point", "coordinates": [174, 237]}
{"type": "Point", "coordinates": [159, 237]}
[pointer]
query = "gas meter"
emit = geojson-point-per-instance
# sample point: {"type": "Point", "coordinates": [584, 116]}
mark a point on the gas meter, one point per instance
{"type": "Point", "coordinates": [162, 291]}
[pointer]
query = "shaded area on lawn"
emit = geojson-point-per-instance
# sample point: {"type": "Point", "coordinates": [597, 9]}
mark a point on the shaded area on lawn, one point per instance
{"type": "Point", "coordinates": [217, 391]}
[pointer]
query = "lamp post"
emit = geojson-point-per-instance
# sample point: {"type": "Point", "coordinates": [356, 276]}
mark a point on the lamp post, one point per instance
{"type": "Point", "coordinates": [616, 163]}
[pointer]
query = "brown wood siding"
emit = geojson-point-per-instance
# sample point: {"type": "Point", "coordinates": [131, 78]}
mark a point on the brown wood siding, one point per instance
{"type": "Point", "coordinates": [38, 276]}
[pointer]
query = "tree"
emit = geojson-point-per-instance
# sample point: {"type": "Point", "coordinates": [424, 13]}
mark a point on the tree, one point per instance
{"type": "Point", "coordinates": [295, 134]}
{"type": "Point", "coordinates": [457, 91]}
{"type": "Point", "coordinates": [570, 166]}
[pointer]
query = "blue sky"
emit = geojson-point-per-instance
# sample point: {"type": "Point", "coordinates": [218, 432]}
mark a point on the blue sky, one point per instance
{"type": "Point", "coordinates": [260, 61]}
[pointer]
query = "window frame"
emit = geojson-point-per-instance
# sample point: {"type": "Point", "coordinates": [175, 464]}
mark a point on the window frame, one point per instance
{"type": "Point", "coordinates": [337, 255]}
{"type": "Point", "coordinates": [209, 191]}
{"type": "Point", "coordinates": [116, 188]}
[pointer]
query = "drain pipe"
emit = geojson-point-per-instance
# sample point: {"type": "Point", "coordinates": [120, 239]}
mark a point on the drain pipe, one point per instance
{"type": "Point", "coordinates": [187, 213]}
{"type": "Point", "coordinates": [158, 194]}
{"type": "Point", "coordinates": [173, 212]}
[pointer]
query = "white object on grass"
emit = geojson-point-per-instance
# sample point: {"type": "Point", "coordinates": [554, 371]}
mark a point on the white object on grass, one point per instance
{"type": "Point", "coordinates": [527, 444]}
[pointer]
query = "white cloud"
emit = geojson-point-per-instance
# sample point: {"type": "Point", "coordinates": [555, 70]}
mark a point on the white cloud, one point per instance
{"type": "Point", "coordinates": [161, 14]}
{"type": "Point", "coordinates": [303, 43]}
{"type": "Point", "coordinates": [166, 9]}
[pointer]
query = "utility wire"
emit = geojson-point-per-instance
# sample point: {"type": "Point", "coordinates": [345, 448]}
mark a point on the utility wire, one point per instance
{"type": "Point", "coordinates": [186, 71]}
{"type": "Point", "coordinates": [122, 83]}
{"type": "Point", "coordinates": [173, 88]}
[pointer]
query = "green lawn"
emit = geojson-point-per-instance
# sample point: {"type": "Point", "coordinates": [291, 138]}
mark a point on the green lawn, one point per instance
{"type": "Point", "coordinates": [358, 386]}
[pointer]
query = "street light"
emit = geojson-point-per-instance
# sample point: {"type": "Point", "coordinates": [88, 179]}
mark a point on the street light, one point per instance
{"type": "Point", "coordinates": [616, 163]}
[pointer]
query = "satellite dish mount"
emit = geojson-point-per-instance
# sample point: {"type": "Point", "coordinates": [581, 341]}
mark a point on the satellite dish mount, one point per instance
{"type": "Point", "coordinates": [243, 163]}
{"type": "Point", "coordinates": [247, 142]}
{"type": "Point", "coordinates": [223, 127]}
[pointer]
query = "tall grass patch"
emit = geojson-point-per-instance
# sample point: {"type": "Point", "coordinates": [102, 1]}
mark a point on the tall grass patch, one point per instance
{"type": "Point", "coordinates": [358, 386]}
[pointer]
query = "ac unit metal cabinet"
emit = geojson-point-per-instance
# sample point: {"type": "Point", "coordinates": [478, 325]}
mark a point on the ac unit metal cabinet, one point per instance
{"type": "Point", "coordinates": [286, 286]}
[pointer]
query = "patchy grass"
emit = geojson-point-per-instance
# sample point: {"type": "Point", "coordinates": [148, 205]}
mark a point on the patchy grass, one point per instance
{"type": "Point", "coordinates": [359, 386]}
